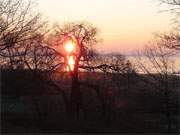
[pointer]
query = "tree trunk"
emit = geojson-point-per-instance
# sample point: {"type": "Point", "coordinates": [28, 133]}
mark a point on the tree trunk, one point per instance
{"type": "Point", "coordinates": [76, 98]}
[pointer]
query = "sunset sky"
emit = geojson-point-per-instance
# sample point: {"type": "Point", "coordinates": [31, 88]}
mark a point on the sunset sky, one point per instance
{"type": "Point", "coordinates": [125, 25]}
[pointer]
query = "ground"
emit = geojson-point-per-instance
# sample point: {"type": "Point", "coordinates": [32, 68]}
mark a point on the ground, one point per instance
{"type": "Point", "coordinates": [139, 109]}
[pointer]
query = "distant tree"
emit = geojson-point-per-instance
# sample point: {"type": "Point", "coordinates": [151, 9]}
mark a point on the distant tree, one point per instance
{"type": "Point", "coordinates": [119, 70]}
{"type": "Point", "coordinates": [118, 65]}
{"type": "Point", "coordinates": [155, 61]}
{"type": "Point", "coordinates": [114, 70]}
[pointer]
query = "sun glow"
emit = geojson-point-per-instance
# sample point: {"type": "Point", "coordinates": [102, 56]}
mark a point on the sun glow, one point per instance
{"type": "Point", "coordinates": [70, 62]}
{"type": "Point", "coordinates": [69, 46]}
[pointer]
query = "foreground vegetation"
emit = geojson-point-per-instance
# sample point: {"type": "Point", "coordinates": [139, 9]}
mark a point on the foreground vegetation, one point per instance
{"type": "Point", "coordinates": [28, 106]}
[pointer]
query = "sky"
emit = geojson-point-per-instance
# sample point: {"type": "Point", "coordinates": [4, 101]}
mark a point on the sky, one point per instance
{"type": "Point", "coordinates": [125, 25]}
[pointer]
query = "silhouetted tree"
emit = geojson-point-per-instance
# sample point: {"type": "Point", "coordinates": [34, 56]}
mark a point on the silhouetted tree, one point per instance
{"type": "Point", "coordinates": [86, 58]}
{"type": "Point", "coordinates": [155, 61]}
{"type": "Point", "coordinates": [18, 23]}
{"type": "Point", "coordinates": [171, 2]}
{"type": "Point", "coordinates": [85, 37]}
{"type": "Point", "coordinates": [23, 43]}
{"type": "Point", "coordinates": [171, 39]}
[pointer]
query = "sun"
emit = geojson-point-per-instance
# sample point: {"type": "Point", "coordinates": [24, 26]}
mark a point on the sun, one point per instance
{"type": "Point", "coordinates": [69, 46]}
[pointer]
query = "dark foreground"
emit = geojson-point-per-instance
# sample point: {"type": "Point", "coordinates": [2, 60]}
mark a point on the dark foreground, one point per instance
{"type": "Point", "coordinates": [28, 106]}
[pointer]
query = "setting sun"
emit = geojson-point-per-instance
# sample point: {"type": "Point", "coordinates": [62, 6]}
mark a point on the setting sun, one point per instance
{"type": "Point", "coordinates": [69, 47]}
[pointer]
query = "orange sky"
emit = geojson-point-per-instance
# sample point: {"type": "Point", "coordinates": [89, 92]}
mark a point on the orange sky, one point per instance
{"type": "Point", "coordinates": [125, 25]}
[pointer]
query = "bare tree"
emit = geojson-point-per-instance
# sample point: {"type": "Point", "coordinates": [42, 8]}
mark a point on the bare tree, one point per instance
{"type": "Point", "coordinates": [85, 36]}
{"type": "Point", "coordinates": [23, 43]}
{"type": "Point", "coordinates": [173, 6]}
{"type": "Point", "coordinates": [155, 61]}
{"type": "Point", "coordinates": [171, 40]}
{"type": "Point", "coordinates": [171, 2]}
{"type": "Point", "coordinates": [18, 23]}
